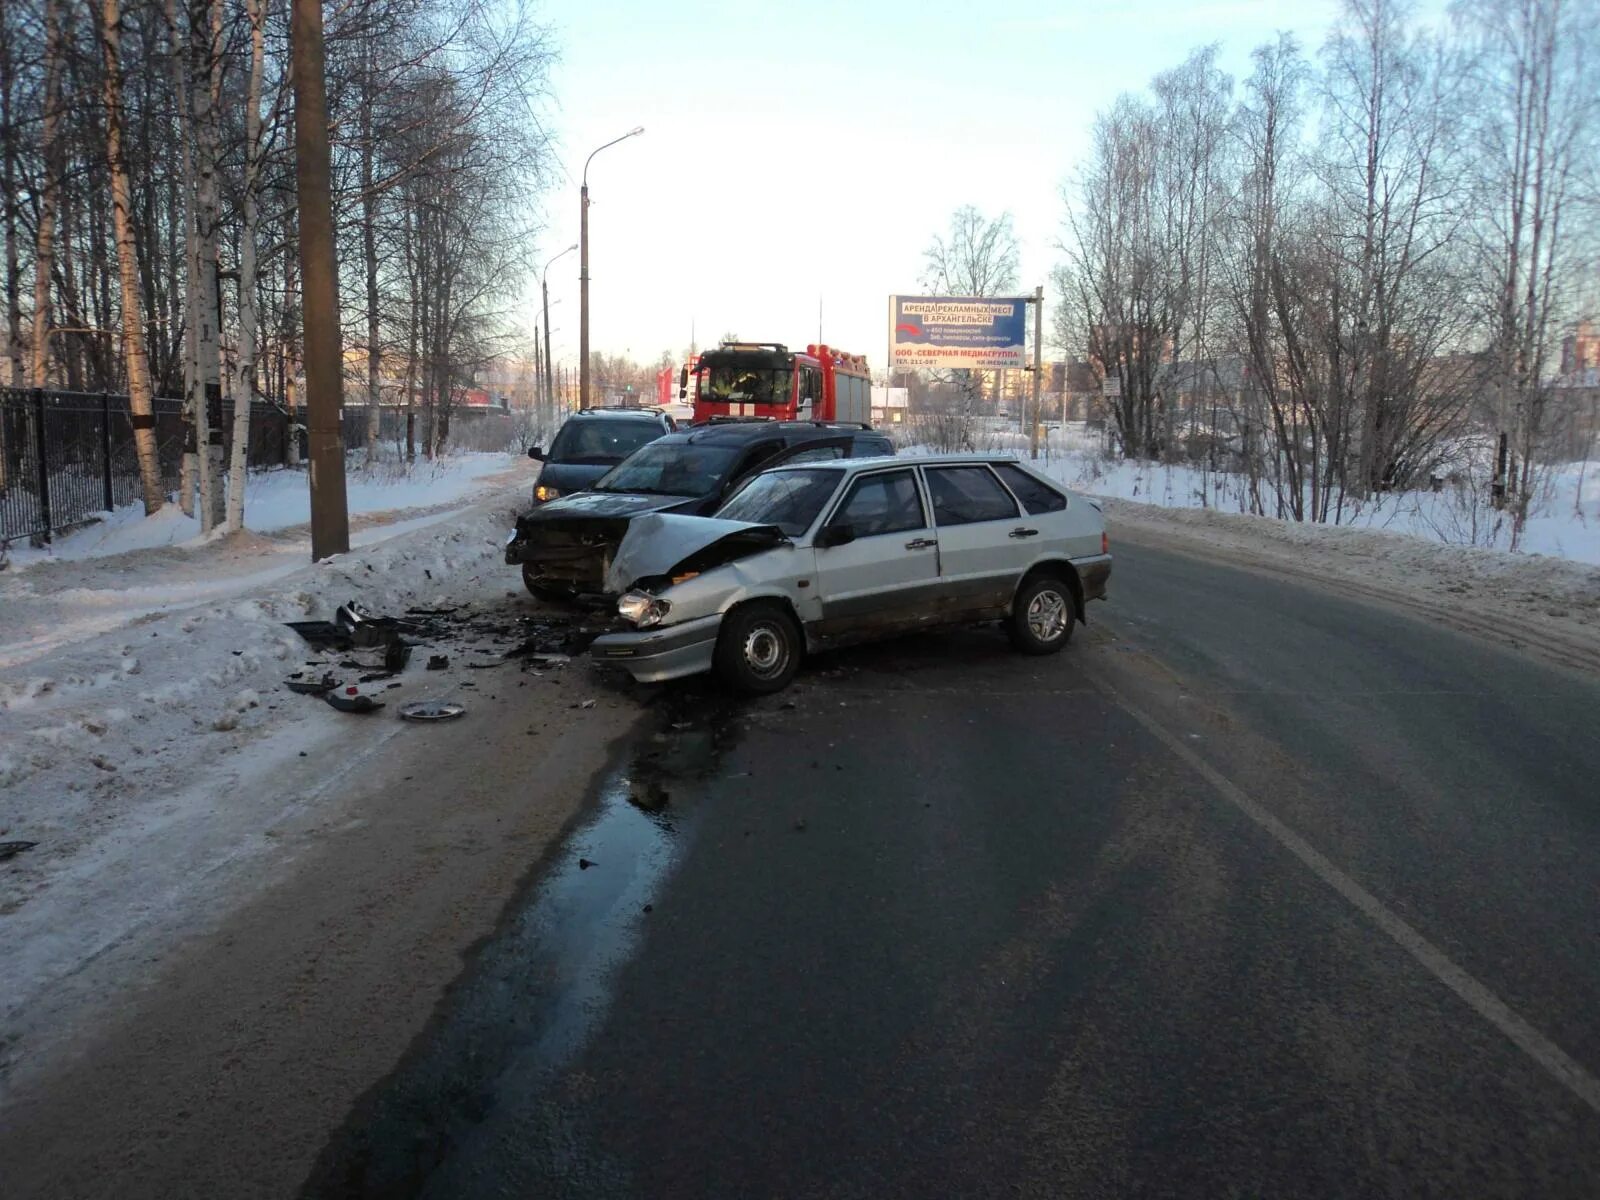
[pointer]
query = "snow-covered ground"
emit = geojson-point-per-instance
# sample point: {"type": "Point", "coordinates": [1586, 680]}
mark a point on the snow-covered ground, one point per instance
{"type": "Point", "coordinates": [1437, 553]}
{"type": "Point", "coordinates": [1564, 521]}
{"type": "Point", "coordinates": [153, 746]}
{"type": "Point", "coordinates": [279, 500]}
{"type": "Point", "coordinates": [129, 567]}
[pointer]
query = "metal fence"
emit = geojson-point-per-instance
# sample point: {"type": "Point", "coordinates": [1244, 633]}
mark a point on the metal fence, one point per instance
{"type": "Point", "coordinates": [67, 456]}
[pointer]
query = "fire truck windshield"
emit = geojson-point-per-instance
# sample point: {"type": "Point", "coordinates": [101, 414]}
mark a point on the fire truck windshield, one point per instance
{"type": "Point", "coordinates": [724, 384]}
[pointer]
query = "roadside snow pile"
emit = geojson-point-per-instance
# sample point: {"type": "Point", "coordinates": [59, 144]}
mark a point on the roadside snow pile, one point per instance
{"type": "Point", "coordinates": [1548, 605]}
{"type": "Point", "coordinates": [128, 693]}
{"type": "Point", "coordinates": [1564, 523]}
{"type": "Point", "coordinates": [276, 500]}
{"type": "Point", "coordinates": [58, 600]}
{"type": "Point", "coordinates": [166, 748]}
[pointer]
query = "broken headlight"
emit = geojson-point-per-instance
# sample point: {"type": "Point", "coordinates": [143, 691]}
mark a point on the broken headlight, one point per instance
{"type": "Point", "coordinates": [544, 492]}
{"type": "Point", "coordinates": [641, 609]}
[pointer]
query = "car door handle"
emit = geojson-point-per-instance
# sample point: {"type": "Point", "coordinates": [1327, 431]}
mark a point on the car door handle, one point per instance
{"type": "Point", "coordinates": [920, 543]}
{"type": "Point", "coordinates": [1022, 533]}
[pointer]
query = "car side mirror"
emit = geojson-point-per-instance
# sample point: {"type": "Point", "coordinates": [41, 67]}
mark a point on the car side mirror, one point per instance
{"type": "Point", "coordinates": [835, 535]}
{"type": "Point", "coordinates": [536, 453]}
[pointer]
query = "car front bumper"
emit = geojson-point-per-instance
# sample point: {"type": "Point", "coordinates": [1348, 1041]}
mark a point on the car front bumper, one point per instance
{"type": "Point", "coordinates": [655, 655]}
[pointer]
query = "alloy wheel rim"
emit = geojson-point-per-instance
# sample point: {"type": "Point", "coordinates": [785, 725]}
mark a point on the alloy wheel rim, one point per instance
{"type": "Point", "coordinates": [1047, 616]}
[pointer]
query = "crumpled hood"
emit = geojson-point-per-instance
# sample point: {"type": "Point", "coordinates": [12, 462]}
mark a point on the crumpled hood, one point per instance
{"type": "Point", "coordinates": [582, 505]}
{"type": "Point", "coordinates": [658, 543]}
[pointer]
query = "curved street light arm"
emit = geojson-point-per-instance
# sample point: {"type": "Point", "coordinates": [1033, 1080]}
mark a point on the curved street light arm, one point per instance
{"type": "Point", "coordinates": [631, 133]}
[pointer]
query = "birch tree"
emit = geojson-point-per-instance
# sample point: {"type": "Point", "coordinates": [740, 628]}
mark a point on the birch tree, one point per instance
{"type": "Point", "coordinates": [133, 348]}
{"type": "Point", "coordinates": [50, 183]}
{"type": "Point", "coordinates": [1538, 88]}
{"type": "Point", "coordinates": [250, 202]}
{"type": "Point", "coordinates": [205, 86]}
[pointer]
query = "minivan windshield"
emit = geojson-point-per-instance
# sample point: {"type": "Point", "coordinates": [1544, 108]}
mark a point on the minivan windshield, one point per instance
{"type": "Point", "coordinates": [671, 469]}
{"type": "Point", "coordinates": [790, 500]}
{"type": "Point", "coordinates": [602, 439]}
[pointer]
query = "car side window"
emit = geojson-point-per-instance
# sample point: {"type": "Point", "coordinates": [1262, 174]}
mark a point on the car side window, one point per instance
{"type": "Point", "coordinates": [870, 447]}
{"type": "Point", "coordinates": [1036, 497]}
{"type": "Point", "coordinates": [755, 456]}
{"type": "Point", "coordinates": [967, 495]}
{"type": "Point", "coordinates": [884, 503]}
{"type": "Point", "coordinates": [815, 454]}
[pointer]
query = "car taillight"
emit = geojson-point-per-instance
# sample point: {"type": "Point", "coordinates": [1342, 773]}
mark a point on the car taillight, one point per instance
{"type": "Point", "coordinates": [1105, 542]}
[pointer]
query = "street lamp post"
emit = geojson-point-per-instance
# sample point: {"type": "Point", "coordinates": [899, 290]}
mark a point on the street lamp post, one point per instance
{"type": "Point", "coordinates": [583, 270]}
{"type": "Point", "coordinates": [549, 379]}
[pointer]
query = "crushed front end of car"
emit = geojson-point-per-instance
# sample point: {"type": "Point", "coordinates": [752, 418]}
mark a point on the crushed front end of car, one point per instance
{"type": "Point", "coordinates": [573, 555]}
{"type": "Point", "coordinates": [677, 576]}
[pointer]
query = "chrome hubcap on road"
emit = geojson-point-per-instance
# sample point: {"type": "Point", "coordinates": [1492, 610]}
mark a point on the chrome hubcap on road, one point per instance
{"type": "Point", "coordinates": [1047, 616]}
{"type": "Point", "coordinates": [764, 650]}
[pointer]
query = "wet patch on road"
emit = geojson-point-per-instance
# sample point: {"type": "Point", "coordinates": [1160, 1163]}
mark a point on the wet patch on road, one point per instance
{"type": "Point", "coordinates": [533, 993]}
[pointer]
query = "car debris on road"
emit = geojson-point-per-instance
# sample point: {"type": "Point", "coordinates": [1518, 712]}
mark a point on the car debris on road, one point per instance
{"type": "Point", "coordinates": [431, 710]}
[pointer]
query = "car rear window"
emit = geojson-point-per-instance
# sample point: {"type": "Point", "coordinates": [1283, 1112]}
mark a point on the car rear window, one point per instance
{"type": "Point", "coordinates": [602, 439]}
{"type": "Point", "coordinates": [1036, 497]}
{"type": "Point", "coordinates": [967, 495]}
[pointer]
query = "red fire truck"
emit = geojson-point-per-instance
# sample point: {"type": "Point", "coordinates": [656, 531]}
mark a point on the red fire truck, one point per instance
{"type": "Point", "coordinates": [765, 379]}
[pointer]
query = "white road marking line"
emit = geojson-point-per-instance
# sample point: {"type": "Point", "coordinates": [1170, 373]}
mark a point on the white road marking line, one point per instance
{"type": "Point", "coordinates": [1556, 1061]}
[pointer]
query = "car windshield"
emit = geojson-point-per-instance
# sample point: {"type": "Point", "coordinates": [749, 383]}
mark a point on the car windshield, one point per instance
{"type": "Point", "coordinates": [790, 500]}
{"type": "Point", "coordinates": [671, 469]}
{"type": "Point", "coordinates": [744, 385]}
{"type": "Point", "coordinates": [601, 440]}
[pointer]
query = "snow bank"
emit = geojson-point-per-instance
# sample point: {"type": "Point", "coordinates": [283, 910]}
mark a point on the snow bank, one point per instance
{"type": "Point", "coordinates": [88, 586]}
{"type": "Point", "coordinates": [1564, 521]}
{"type": "Point", "coordinates": [278, 500]}
{"type": "Point", "coordinates": [161, 751]}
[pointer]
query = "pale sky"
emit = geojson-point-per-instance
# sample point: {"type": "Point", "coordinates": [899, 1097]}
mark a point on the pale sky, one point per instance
{"type": "Point", "coordinates": [801, 151]}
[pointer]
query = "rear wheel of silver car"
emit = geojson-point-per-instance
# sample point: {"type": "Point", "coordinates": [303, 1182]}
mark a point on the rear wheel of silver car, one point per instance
{"type": "Point", "coordinates": [1042, 616]}
{"type": "Point", "coordinates": [758, 649]}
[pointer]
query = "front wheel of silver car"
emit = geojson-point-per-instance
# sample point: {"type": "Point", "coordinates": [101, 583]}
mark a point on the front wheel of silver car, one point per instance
{"type": "Point", "coordinates": [1041, 616]}
{"type": "Point", "coordinates": [758, 649]}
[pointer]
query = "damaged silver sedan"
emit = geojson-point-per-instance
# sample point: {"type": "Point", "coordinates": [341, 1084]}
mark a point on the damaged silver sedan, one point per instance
{"type": "Point", "coordinates": [822, 555]}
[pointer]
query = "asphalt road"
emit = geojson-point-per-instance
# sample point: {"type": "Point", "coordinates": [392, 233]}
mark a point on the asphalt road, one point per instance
{"type": "Point", "coordinates": [1255, 891]}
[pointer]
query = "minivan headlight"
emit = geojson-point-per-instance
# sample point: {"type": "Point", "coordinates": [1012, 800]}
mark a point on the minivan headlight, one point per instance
{"type": "Point", "coordinates": [641, 609]}
{"type": "Point", "coordinates": [544, 492]}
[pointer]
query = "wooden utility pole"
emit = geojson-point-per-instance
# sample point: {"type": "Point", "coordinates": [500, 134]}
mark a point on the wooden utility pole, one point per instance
{"type": "Point", "coordinates": [330, 520]}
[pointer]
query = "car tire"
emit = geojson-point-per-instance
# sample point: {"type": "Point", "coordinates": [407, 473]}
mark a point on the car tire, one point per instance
{"type": "Point", "coordinates": [758, 649]}
{"type": "Point", "coordinates": [543, 591]}
{"type": "Point", "coordinates": [1042, 616]}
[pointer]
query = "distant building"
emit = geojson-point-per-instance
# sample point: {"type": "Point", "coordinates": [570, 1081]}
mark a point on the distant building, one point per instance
{"type": "Point", "coordinates": [1576, 392]}
{"type": "Point", "coordinates": [889, 405]}
{"type": "Point", "coordinates": [1580, 354]}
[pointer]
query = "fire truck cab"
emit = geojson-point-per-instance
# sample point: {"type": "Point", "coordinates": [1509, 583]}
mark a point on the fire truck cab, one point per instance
{"type": "Point", "coordinates": [765, 379]}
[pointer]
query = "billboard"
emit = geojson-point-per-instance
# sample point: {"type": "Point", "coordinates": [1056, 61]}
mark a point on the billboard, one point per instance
{"type": "Point", "coordinates": [972, 332]}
